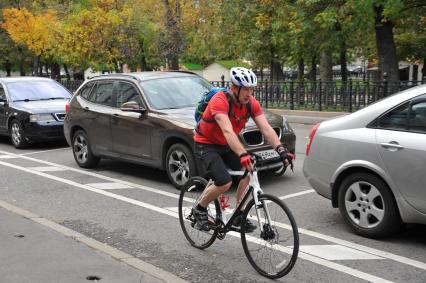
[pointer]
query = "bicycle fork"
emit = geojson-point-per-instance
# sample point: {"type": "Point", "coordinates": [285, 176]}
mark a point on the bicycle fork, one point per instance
{"type": "Point", "coordinates": [265, 229]}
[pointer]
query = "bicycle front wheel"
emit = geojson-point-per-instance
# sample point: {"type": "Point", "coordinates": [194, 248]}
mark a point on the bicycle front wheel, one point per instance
{"type": "Point", "coordinates": [273, 251]}
{"type": "Point", "coordinates": [188, 199]}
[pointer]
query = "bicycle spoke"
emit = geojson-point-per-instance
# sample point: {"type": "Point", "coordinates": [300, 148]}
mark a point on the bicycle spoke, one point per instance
{"type": "Point", "coordinates": [272, 251]}
{"type": "Point", "coordinates": [187, 200]}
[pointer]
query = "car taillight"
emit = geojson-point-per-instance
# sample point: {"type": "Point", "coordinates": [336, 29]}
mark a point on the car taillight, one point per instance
{"type": "Point", "coordinates": [67, 107]}
{"type": "Point", "coordinates": [311, 138]}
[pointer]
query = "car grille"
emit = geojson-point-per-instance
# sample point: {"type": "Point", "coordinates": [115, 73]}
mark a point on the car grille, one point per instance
{"type": "Point", "coordinates": [59, 116]}
{"type": "Point", "coordinates": [255, 138]}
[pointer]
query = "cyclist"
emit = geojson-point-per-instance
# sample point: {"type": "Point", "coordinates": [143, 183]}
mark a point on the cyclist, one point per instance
{"type": "Point", "coordinates": [218, 147]}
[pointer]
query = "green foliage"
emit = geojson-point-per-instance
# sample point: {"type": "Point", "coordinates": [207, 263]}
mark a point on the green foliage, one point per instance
{"type": "Point", "coordinates": [193, 66]}
{"type": "Point", "coordinates": [109, 33]}
{"type": "Point", "coordinates": [232, 63]}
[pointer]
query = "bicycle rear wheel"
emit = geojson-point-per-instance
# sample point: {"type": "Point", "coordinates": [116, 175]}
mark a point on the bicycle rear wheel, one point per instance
{"type": "Point", "coordinates": [187, 200]}
{"type": "Point", "coordinates": [274, 251]}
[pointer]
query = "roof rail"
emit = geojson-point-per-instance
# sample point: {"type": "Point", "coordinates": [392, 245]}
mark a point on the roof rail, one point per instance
{"type": "Point", "coordinates": [116, 74]}
{"type": "Point", "coordinates": [182, 71]}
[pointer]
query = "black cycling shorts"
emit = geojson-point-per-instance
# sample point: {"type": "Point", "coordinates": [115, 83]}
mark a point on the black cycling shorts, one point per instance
{"type": "Point", "coordinates": [216, 160]}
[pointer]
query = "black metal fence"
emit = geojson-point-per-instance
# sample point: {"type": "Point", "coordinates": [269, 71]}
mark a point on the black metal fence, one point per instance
{"type": "Point", "coordinates": [329, 96]}
{"type": "Point", "coordinates": [314, 95]}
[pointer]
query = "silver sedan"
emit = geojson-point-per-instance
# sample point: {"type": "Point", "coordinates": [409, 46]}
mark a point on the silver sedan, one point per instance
{"type": "Point", "coordinates": [372, 163]}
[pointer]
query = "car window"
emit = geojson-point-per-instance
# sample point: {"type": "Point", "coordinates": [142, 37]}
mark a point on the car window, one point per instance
{"type": "Point", "coordinates": [2, 93]}
{"type": "Point", "coordinates": [174, 93]}
{"type": "Point", "coordinates": [417, 121]}
{"type": "Point", "coordinates": [395, 119]}
{"type": "Point", "coordinates": [85, 91]}
{"type": "Point", "coordinates": [127, 92]}
{"type": "Point", "coordinates": [36, 90]}
{"type": "Point", "coordinates": [102, 93]}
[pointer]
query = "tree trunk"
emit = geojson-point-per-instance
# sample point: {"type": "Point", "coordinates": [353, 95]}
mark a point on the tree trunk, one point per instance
{"type": "Point", "coordinates": [326, 68]}
{"type": "Point", "coordinates": [173, 37]}
{"type": "Point", "coordinates": [118, 68]}
{"type": "Point", "coordinates": [8, 67]}
{"type": "Point", "coordinates": [21, 62]}
{"type": "Point", "coordinates": [67, 72]}
{"type": "Point", "coordinates": [314, 68]}
{"type": "Point", "coordinates": [386, 51]}
{"type": "Point", "coordinates": [21, 68]}
{"type": "Point", "coordinates": [300, 69]}
{"type": "Point", "coordinates": [56, 71]}
{"type": "Point", "coordinates": [343, 68]}
{"type": "Point", "coordinates": [277, 73]}
{"type": "Point", "coordinates": [174, 62]}
{"type": "Point", "coordinates": [142, 57]}
{"type": "Point", "coordinates": [36, 65]}
{"type": "Point", "coordinates": [424, 70]}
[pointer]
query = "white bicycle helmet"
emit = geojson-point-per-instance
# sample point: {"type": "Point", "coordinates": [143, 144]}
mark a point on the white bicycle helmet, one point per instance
{"type": "Point", "coordinates": [243, 77]}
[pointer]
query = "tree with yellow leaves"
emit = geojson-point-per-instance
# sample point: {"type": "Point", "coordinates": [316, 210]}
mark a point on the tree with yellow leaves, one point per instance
{"type": "Point", "coordinates": [36, 32]}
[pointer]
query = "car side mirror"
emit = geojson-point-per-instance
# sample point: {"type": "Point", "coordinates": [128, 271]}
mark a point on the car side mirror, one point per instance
{"type": "Point", "coordinates": [3, 101]}
{"type": "Point", "coordinates": [132, 106]}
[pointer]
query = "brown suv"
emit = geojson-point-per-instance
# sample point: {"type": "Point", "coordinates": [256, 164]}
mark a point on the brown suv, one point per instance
{"type": "Point", "coordinates": [148, 118]}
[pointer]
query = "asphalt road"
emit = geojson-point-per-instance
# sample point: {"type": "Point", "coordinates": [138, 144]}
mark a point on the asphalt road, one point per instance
{"type": "Point", "coordinates": [133, 208]}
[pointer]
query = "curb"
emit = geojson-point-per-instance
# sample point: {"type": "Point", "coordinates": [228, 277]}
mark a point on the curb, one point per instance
{"type": "Point", "coordinates": [92, 243]}
{"type": "Point", "coordinates": [307, 117]}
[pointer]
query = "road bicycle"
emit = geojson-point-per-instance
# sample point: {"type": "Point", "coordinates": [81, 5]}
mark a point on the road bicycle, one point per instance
{"type": "Point", "coordinates": [271, 249]}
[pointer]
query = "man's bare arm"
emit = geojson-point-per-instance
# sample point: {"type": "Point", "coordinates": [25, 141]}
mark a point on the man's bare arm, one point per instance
{"type": "Point", "coordinates": [267, 131]}
{"type": "Point", "coordinates": [232, 139]}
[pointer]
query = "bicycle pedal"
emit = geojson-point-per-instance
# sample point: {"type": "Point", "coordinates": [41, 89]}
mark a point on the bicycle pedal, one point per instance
{"type": "Point", "coordinates": [235, 229]}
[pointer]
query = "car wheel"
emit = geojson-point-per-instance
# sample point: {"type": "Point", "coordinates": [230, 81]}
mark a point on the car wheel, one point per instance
{"type": "Point", "coordinates": [368, 206]}
{"type": "Point", "coordinates": [180, 165]}
{"type": "Point", "coordinates": [17, 135]}
{"type": "Point", "coordinates": [81, 149]}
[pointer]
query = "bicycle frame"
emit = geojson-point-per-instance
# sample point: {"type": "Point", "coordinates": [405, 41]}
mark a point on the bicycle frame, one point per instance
{"type": "Point", "coordinates": [254, 190]}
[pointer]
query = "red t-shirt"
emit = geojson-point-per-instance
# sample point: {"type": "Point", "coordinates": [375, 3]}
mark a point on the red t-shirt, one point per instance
{"type": "Point", "coordinates": [211, 132]}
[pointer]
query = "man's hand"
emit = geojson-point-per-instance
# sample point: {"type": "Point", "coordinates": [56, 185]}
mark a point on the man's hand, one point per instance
{"type": "Point", "coordinates": [286, 156]}
{"type": "Point", "coordinates": [246, 161]}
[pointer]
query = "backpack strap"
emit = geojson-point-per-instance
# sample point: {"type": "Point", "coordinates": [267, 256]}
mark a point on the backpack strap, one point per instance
{"type": "Point", "coordinates": [230, 112]}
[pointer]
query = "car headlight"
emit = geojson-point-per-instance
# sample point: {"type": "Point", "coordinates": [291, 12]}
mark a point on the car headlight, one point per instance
{"type": "Point", "coordinates": [41, 117]}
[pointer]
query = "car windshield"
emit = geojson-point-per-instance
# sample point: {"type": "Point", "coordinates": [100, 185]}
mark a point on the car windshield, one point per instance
{"type": "Point", "coordinates": [36, 90]}
{"type": "Point", "coordinates": [175, 93]}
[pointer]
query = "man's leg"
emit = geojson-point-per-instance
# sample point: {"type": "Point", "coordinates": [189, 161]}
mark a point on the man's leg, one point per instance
{"type": "Point", "coordinates": [211, 157]}
{"type": "Point", "coordinates": [212, 193]}
{"type": "Point", "coordinates": [234, 163]}
{"type": "Point", "coordinates": [241, 190]}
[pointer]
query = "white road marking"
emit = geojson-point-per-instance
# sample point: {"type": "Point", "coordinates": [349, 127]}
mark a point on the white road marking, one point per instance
{"type": "Point", "coordinates": [48, 169]}
{"type": "Point", "coordinates": [109, 186]}
{"type": "Point", "coordinates": [5, 156]}
{"type": "Point", "coordinates": [297, 194]}
{"type": "Point", "coordinates": [329, 264]}
{"type": "Point", "coordinates": [93, 174]}
{"type": "Point", "coordinates": [42, 151]}
{"type": "Point", "coordinates": [380, 253]}
{"type": "Point", "coordinates": [336, 252]}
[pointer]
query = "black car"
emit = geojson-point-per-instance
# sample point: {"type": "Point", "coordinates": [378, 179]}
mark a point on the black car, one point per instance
{"type": "Point", "coordinates": [148, 118]}
{"type": "Point", "coordinates": [32, 109]}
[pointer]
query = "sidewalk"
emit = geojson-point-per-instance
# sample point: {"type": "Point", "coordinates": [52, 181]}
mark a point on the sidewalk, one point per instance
{"type": "Point", "coordinates": [307, 117]}
{"type": "Point", "coordinates": [35, 249]}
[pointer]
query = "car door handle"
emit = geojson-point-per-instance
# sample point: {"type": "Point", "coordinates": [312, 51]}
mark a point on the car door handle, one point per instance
{"type": "Point", "coordinates": [391, 145]}
{"type": "Point", "coordinates": [116, 115]}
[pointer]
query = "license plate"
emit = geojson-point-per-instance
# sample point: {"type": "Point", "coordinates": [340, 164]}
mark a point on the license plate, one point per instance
{"type": "Point", "coordinates": [267, 154]}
